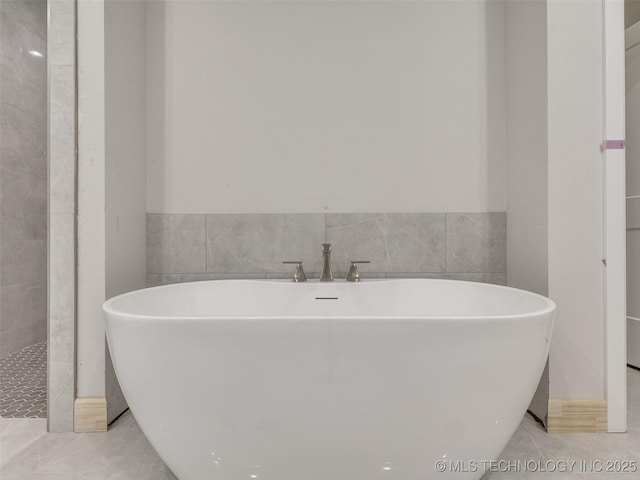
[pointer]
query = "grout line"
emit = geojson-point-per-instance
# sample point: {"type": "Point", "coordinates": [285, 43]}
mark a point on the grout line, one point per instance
{"type": "Point", "coordinates": [446, 215]}
{"type": "Point", "coordinates": [25, 370]}
{"type": "Point", "coordinates": [206, 246]}
{"type": "Point", "coordinates": [325, 227]}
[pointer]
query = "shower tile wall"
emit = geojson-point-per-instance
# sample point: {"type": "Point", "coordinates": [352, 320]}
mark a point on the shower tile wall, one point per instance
{"type": "Point", "coordinates": [62, 211]}
{"type": "Point", "coordinates": [23, 173]}
{"type": "Point", "coordinates": [183, 248]}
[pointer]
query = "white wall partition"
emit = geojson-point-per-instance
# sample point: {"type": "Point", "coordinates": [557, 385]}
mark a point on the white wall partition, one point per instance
{"type": "Point", "coordinates": [91, 200]}
{"type": "Point", "coordinates": [526, 133]}
{"type": "Point", "coordinates": [111, 182]}
{"type": "Point", "coordinates": [575, 91]}
{"type": "Point", "coordinates": [614, 215]}
{"type": "Point", "coordinates": [125, 133]}
{"type": "Point", "coordinates": [527, 165]}
{"type": "Point", "coordinates": [271, 107]}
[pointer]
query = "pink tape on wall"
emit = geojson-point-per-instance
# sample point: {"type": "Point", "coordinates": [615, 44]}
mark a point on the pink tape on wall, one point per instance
{"type": "Point", "coordinates": [612, 145]}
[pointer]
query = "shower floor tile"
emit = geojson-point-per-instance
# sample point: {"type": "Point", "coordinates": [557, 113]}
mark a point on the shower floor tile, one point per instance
{"type": "Point", "coordinates": [23, 383]}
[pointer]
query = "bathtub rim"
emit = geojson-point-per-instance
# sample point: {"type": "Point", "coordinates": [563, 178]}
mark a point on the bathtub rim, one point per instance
{"type": "Point", "coordinates": [550, 305]}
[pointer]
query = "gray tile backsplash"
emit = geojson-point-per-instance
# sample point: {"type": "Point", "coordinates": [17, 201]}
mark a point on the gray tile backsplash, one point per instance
{"type": "Point", "coordinates": [176, 243]}
{"type": "Point", "coordinates": [476, 242]}
{"type": "Point", "coordinates": [157, 279]}
{"type": "Point", "coordinates": [259, 243]}
{"type": "Point", "coordinates": [183, 248]}
{"type": "Point", "coordinates": [392, 242]}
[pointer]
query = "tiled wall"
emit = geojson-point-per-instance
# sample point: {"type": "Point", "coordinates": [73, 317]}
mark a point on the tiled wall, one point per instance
{"type": "Point", "coordinates": [23, 176]}
{"type": "Point", "coordinates": [62, 214]}
{"type": "Point", "coordinates": [183, 248]}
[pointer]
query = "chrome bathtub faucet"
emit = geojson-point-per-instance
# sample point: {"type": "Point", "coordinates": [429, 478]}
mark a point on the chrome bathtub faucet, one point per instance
{"type": "Point", "coordinates": [325, 275]}
{"type": "Point", "coordinates": [299, 275]}
{"type": "Point", "coordinates": [354, 275]}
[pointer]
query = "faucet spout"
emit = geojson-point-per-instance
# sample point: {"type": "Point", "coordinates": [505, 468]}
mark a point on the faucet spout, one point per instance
{"type": "Point", "coordinates": [326, 275]}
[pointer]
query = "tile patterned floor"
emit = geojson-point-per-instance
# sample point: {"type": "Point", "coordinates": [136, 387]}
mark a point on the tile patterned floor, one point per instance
{"type": "Point", "coordinates": [123, 453]}
{"type": "Point", "coordinates": [23, 383]}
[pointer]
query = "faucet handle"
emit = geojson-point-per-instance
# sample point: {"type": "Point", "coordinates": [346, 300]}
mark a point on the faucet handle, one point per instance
{"type": "Point", "coordinates": [299, 275]}
{"type": "Point", "coordinates": [354, 275]}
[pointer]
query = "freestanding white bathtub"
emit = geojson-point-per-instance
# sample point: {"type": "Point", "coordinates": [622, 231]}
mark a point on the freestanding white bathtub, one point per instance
{"type": "Point", "coordinates": [382, 379]}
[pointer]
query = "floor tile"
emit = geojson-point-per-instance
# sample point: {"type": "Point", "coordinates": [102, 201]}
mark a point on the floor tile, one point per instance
{"type": "Point", "coordinates": [123, 453]}
{"type": "Point", "coordinates": [16, 434]}
{"type": "Point", "coordinates": [23, 383]}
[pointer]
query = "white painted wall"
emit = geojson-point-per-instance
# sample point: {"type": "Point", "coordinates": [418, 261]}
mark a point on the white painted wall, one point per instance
{"type": "Point", "coordinates": [325, 106]}
{"type": "Point", "coordinates": [111, 178]}
{"type": "Point", "coordinates": [332, 147]}
{"type": "Point", "coordinates": [526, 134]}
{"type": "Point", "coordinates": [526, 147]}
{"type": "Point", "coordinates": [575, 120]}
{"type": "Point", "coordinates": [614, 217]}
{"type": "Point", "coordinates": [126, 202]}
{"type": "Point", "coordinates": [91, 200]}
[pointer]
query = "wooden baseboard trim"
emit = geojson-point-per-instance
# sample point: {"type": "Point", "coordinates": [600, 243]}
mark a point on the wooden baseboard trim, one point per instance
{"type": "Point", "coordinates": [90, 415]}
{"type": "Point", "coordinates": [577, 415]}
